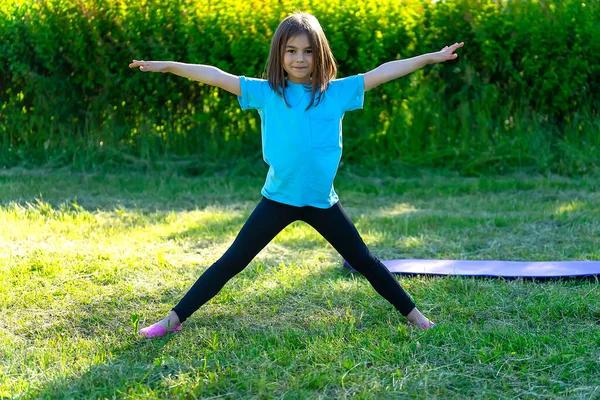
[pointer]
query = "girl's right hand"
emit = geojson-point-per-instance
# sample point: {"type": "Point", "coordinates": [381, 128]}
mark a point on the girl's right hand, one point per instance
{"type": "Point", "coordinates": [150, 66]}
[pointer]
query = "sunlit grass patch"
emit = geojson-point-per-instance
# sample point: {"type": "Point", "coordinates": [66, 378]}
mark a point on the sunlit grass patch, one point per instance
{"type": "Point", "coordinates": [78, 274]}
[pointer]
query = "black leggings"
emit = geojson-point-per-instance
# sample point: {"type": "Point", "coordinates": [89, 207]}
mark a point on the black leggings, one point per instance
{"type": "Point", "coordinates": [267, 220]}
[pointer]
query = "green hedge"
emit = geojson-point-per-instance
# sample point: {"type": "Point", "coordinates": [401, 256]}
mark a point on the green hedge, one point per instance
{"type": "Point", "coordinates": [524, 91]}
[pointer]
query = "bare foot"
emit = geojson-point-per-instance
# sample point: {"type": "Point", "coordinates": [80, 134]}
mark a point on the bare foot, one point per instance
{"type": "Point", "coordinates": [418, 320]}
{"type": "Point", "coordinates": [171, 321]}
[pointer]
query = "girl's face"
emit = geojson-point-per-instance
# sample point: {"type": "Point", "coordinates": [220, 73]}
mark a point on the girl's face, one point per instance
{"type": "Point", "coordinates": [298, 59]}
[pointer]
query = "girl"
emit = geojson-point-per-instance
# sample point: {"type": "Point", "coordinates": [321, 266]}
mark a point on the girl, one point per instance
{"type": "Point", "coordinates": [301, 106]}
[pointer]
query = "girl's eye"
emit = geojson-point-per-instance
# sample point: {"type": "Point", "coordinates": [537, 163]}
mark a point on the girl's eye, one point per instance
{"type": "Point", "coordinates": [293, 51]}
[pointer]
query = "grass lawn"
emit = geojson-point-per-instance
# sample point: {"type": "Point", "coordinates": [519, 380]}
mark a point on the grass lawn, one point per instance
{"type": "Point", "coordinates": [86, 259]}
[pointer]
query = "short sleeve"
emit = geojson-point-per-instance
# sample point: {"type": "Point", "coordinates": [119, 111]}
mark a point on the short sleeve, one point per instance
{"type": "Point", "coordinates": [255, 93]}
{"type": "Point", "coordinates": [351, 92]}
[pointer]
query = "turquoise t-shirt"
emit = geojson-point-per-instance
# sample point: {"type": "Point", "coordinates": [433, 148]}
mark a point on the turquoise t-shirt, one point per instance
{"type": "Point", "coordinates": [302, 148]}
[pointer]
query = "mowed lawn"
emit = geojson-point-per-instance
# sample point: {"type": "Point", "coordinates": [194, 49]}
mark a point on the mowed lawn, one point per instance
{"type": "Point", "coordinates": [87, 259]}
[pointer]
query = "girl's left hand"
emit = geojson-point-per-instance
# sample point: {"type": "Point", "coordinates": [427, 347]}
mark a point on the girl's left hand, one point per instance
{"type": "Point", "coordinates": [447, 53]}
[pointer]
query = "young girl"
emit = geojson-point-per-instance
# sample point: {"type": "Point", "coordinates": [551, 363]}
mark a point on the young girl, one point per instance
{"type": "Point", "coordinates": [301, 106]}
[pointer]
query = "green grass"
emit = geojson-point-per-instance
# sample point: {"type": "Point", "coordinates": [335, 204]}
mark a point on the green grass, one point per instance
{"type": "Point", "coordinates": [87, 258]}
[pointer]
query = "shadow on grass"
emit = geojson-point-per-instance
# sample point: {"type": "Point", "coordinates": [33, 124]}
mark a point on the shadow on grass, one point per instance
{"type": "Point", "coordinates": [251, 317]}
{"type": "Point", "coordinates": [138, 363]}
{"type": "Point", "coordinates": [301, 312]}
{"type": "Point", "coordinates": [137, 192]}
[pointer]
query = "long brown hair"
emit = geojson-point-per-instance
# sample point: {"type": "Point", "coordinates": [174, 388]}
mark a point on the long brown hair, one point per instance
{"type": "Point", "coordinates": [324, 66]}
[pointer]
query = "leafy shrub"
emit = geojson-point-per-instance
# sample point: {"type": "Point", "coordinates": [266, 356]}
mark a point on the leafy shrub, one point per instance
{"type": "Point", "coordinates": [524, 91]}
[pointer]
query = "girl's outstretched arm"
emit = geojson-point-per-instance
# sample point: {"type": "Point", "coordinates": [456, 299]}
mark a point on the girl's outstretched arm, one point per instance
{"type": "Point", "coordinates": [201, 73]}
{"type": "Point", "coordinates": [395, 69]}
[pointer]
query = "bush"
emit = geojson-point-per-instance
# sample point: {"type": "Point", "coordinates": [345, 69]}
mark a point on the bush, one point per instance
{"type": "Point", "coordinates": [524, 91]}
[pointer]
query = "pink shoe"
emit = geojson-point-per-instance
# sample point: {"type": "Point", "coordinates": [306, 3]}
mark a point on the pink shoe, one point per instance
{"type": "Point", "coordinates": [157, 330]}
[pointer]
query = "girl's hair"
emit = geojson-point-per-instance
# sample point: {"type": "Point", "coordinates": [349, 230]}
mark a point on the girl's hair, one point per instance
{"type": "Point", "coordinates": [324, 66]}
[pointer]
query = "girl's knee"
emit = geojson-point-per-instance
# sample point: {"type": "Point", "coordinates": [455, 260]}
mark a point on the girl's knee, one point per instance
{"type": "Point", "coordinates": [229, 267]}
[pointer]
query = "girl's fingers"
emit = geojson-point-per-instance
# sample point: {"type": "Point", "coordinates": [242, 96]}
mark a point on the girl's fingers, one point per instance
{"type": "Point", "coordinates": [139, 63]}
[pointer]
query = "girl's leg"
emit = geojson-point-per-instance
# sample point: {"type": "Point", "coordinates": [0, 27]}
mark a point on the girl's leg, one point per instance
{"type": "Point", "coordinates": [265, 222]}
{"type": "Point", "coordinates": [337, 228]}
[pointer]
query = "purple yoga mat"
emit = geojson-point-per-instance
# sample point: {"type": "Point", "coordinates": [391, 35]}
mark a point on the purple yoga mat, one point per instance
{"type": "Point", "coordinates": [505, 269]}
